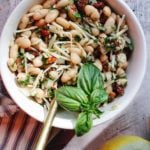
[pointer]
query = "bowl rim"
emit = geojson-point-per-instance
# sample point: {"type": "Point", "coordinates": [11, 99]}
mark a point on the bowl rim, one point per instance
{"type": "Point", "coordinates": [55, 124]}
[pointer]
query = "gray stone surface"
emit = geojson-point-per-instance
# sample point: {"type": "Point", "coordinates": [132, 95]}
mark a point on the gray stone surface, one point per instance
{"type": "Point", "coordinates": [134, 120]}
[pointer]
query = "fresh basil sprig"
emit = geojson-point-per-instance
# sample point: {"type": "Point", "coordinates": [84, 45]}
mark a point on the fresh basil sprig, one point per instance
{"type": "Point", "coordinates": [85, 98]}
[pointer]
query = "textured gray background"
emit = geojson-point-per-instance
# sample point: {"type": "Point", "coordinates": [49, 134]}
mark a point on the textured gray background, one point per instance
{"type": "Point", "coordinates": [134, 120]}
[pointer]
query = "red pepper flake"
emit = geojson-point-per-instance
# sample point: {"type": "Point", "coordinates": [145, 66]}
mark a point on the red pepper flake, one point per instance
{"type": "Point", "coordinates": [51, 60]}
{"type": "Point", "coordinates": [44, 33]}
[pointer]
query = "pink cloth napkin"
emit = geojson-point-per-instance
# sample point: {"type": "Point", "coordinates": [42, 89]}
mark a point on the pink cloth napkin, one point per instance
{"type": "Point", "coordinates": [18, 131]}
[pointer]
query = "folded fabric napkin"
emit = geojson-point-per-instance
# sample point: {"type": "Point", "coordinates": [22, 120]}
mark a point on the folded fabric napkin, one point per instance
{"type": "Point", "coordinates": [18, 131]}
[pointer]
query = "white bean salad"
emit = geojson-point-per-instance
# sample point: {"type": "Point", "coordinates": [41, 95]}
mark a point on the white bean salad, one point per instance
{"type": "Point", "coordinates": [55, 38]}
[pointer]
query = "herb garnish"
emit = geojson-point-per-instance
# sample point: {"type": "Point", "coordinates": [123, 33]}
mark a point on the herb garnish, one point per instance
{"type": "Point", "coordinates": [24, 82]}
{"type": "Point", "coordinates": [77, 15]}
{"type": "Point", "coordinates": [85, 98]}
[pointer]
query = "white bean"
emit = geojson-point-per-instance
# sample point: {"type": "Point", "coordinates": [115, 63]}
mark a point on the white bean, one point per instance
{"type": "Point", "coordinates": [123, 65]}
{"type": "Point", "coordinates": [63, 22]}
{"type": "Point", "coordinates": [26, 34]}
{"type": "Point", "coordinates": [65, 77]}
{"type": "Point", "coordinates": [76, 50]}
{"type": "Point", "coordinates": [120, 72]}
{"type": "Point", "coordinates": [42, 46]}
{"type": "Point", "coordinates": [37, 62]}
{"type": "Point", "coordinates": [63, 15]}
{"type": "Point", "coordinates": [107, 11]}
{"type": "Point", "coordinates": [62, 3]}
{"type": "Point", "coordinates": [23, 42]}
{"type": "Point", "coordinates": [84, 41]}
{"type": "Point", "coordinates": [109, 89]}
{"type": "Point", "coordinates": [49, 3]}
{"type": "Point", "coordinates": [89, 10]}
{"type": "Point", "coordinates": [53, 74]}
{"type": "Point", "coordinates": [95, 31]}
{"type": "Point", "coordinates": [34, 71]}
{"type": "Point", "coordinates": [40, 14]}
{"type": "Point", "coordinates": [89, 49]}
{"type": "Point", "coordinates": [69, 75]}
{"type": "Point", "coordinates": [48, 83]}
{"type": "Point", "coordinates": [95, 15]}
{"type": "Point", "coordinates": [51, 16]}
{"type": "Point", "coordinates": [24, 22]}
{"type": "Point", "coordinates": [109, 24]}
{"type": "Point", "coordinates": [39, 100]}
{"type": "Point", "coordinates": [72, 72]}
{"type": "Point", "coordinates": [13, 53]}
{"type": "Point", "coordinates": [75, 33]}
{"type": "Point", "coordinates": [38, 43]}
{"type": "Point", "coordinates": [75, 58]}
{"type": "Point", "coordinates": [92, 12]}
{"type": "Point", "coordinates": [35, 8]}
{"type": "Point", "coordinates": [121, 58]}
{"type": "Point", "coordinates": [38, 94]}
{"type": "Point", "coordinates": [35, 40]}
{"type": "Point", "coordinates": [114, 16]}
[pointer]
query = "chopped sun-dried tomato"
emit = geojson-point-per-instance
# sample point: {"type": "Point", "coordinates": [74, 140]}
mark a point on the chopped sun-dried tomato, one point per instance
{"type": "Point", "coordinates": [51, 60]}
{"type": "Point", "coordinates": [45, 33]}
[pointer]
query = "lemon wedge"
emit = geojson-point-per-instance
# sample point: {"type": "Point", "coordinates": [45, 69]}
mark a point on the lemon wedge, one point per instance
{"type": "Point", "coordinates": [126, 143]}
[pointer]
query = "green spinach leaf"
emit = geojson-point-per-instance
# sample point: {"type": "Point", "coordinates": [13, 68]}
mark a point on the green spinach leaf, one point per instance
{"type": "Point", "coordinates": [84, 123]}
{"type": "Point", "coordinates": [89, 78]}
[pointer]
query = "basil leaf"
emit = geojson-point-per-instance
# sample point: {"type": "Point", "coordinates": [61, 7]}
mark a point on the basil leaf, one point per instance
{"type": "Point", "coordinates": [97, 112]}
{"type": "Point", "coordinates": [84, 123]}
{"type": "Point", "coordinates": [89, 78]}
{"type": "Point", "coordinates": [71, 98]}
{"type": "Point", "coordinates": [98, 97]}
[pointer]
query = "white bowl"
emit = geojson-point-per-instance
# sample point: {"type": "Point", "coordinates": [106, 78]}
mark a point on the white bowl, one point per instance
{"type": "Point", "coordinates": [136, 69]}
